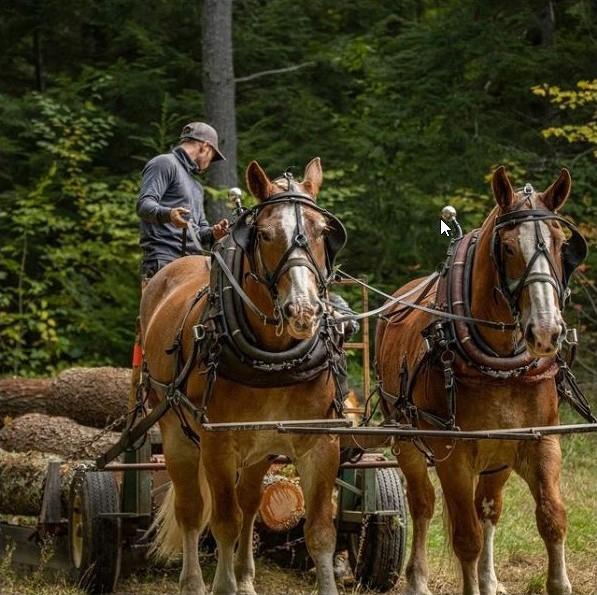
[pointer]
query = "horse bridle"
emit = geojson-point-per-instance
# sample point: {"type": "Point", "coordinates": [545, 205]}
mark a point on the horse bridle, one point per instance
{"type": "Point", "coordinates": [574, 252]}
{"type": "Point", "coordinates": [245, 235]}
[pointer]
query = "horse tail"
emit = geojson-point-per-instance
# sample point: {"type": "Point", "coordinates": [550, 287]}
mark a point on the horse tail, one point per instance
{"type": "Point", "coordinates": [167, 540]}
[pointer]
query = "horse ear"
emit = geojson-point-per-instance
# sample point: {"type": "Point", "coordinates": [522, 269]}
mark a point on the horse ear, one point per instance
{"type": "Point", "coordinates": [258, 183]}
{"type": "Point", "coordinates": [557, 194]}
{"type": "Point", "coordinates": [313, 177]}
{"type": "Point", "coordinates": [502, 188]}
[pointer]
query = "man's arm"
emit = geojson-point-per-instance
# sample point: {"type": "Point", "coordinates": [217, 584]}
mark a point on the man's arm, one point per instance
{"type": "Point", "coordinates": [156, 178]}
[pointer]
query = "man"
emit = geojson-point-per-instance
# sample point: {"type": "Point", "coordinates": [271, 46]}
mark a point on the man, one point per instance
{"type": "Point", "coordinates": [170, 196]}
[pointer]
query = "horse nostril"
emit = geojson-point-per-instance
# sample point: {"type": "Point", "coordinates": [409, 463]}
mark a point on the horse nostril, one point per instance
{"type": "Point", "coordinates": [555, 338]}
{"type": "Point", "coordinates": [289, 310]}
{"type": "Point", "coordinates": [528, 335]}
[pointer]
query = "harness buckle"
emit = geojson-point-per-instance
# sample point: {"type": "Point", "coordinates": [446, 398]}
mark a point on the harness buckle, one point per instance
{"type": "Point", "coordinates": [571, 336]}
{"type": "Point", "coordinates": [300, 240]}
{"type": "Point", "coordinates": [199, 332]}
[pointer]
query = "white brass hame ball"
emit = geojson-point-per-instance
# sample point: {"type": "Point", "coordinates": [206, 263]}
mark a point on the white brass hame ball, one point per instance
{"type": "Point", "coordinates": [448, 213]}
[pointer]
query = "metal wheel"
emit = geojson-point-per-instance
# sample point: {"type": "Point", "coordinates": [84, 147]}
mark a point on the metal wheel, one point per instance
{"type": "Point", "coordinates": [94, 539]}
{"type": "Point", "coordinates": [377, 553]}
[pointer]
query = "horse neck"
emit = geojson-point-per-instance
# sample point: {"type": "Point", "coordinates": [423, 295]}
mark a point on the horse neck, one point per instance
{"type": "Point", "coordinates": [266, 334]}
{"type": "Point", "coordinates": [486, 301]}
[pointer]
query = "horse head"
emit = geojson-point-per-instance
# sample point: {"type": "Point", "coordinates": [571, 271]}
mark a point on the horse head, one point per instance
{"type": "Point", "coordinates": [534, 257]}
{"type": "Point", "coordinates": [291, 244]}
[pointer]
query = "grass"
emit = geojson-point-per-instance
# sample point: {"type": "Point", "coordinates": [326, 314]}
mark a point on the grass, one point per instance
{"type": "Point", "coordinates": [519, 551]}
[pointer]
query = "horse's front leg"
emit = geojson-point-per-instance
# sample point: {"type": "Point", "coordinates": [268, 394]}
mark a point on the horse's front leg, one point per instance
{"type": "Point", "coordinates": [421, 501]}
{"type": "Point", "coordinates": [458, 484]}
{"type": "Point", "coordinates": [186, 502]}
{"type": "Point", "coordinates": [318, 469]}
{"type": "Point", "coordinates": [249, 498]}
{"type": "Point", "coordinates": [488, 502]}
{"type": "Point", "coordinates": [540, 465]}
{"type": "Point", "coordinates": [226, 516]}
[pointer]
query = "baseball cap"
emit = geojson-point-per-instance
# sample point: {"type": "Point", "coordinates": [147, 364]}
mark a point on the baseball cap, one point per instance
{"type": "Point", "coordinates": [203, 132]}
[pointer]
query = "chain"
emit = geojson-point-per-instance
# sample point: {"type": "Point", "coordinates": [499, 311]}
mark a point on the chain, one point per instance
{"type": "Point", "coordinates": [83, 451]}
{"type": "Point", "coordinates": [362, 539]}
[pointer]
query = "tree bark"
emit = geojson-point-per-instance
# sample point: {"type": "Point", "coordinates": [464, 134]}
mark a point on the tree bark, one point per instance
{"type": "Point", "coordinates": [90, 396]}
{"type": "Point", "coordinates": [54, 435]}
{"type": "Point", "coordinates": [219, 92]}
{"type": "Point", "coordinates": [22, 477]}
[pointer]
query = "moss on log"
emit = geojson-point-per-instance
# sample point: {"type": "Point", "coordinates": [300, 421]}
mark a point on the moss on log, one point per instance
{"type": "Point", "coordinates": [22, 477]}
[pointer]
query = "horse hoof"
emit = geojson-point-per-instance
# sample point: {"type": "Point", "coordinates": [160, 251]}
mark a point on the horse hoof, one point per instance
{"type": "Point", "coordinates": [501, 590]}
{"type": "Point", "coordinates": [192, 586]}
{"type": "Point", "coordinates": [559, 588]}
{"type": "Point", "coordinates": [414, 590]}
{"type": "Point", "coordinates": [246, 589]}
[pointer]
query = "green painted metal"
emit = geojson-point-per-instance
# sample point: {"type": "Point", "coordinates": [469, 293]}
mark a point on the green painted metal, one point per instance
{"type": "Point", "coordinates": [136, 485]}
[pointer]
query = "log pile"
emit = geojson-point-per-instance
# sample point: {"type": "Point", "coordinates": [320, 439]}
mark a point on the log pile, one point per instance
{"type": "Point", "coordinates": [61, 419]}
{"type": "Point", "coordinates": [54, 419]}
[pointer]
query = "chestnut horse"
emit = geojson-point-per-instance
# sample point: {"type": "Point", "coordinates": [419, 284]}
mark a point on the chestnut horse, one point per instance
{"type": "Point", "coordinates": [219, 484]}
{"type": "Point", "coordinates": [516, 276]}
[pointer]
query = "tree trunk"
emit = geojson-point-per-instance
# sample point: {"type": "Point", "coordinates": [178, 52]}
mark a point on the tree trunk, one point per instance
{"type": "Point", "coordinates": [219, 92]}
{"type": "Point", "coordinates": [282, 503]}
{"type": "Point", "coordinates": [22, 395]}
{"type": "Point", "coordinates": [547, 20]}
{"type": "Point", "coordinates": [22, 477]}
{"type": "Point", "coordinates": [54, 435]}
{"type": "Point", "coordinates": [90, 396]}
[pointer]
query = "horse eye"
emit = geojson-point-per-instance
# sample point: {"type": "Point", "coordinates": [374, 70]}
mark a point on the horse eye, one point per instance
{"type": "Point", "coordinates": [265, 235]}
{"type": "Point", "coordinates": [509, 250]}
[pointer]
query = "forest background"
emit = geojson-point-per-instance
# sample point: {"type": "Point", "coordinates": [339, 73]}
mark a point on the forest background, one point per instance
{"type": "Point", "coordinates": [409, 103]}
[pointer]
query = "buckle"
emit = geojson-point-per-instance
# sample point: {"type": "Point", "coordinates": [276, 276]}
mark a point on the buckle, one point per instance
{"type": "Point", "coordinates": [571, 336]}
{"type": "Point", "coordinates": [199, 332]}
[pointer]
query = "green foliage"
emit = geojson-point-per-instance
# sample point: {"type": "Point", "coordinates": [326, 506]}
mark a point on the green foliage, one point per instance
{"type": "Point", "coordinates": [66, 245]}
{"type": "Point", "coordinates": [410, 105]}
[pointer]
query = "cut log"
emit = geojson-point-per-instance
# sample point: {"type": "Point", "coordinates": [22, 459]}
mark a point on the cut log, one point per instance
{"type": "Point", "coordinates": [23, 395]}
{"type": "Point", "coordinates": [22, 477]}
{"type": "Point", "coordinates": [282, 503]}
{"type": "Point", "coordinates": [90, 396]}
{"type": "Point", "coordinates": [55, 435]}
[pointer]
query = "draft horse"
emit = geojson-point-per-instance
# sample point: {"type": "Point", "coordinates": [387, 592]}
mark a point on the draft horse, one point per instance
{"type": "Point", "coordinates": [511, 275]}
{"type": "Point", "coordinates": [248, 340]}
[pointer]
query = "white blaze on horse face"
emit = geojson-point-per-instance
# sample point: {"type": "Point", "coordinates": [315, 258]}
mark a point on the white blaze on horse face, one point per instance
{"type": "Point", "coordinates": [542, 323]}
{"type": "Point", "coordinates": [301, 302]}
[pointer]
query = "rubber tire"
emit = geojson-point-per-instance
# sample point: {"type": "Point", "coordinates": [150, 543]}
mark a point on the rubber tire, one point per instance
{"type": "Point", "coordinates": [384, 547]}
{"type": "Point", "coordinates": [101, 547]}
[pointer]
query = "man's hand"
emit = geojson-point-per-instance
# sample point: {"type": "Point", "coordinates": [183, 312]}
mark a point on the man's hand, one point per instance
{"type": "Point", "coordinates": [177, 216]}
{"type": "Point", "coordinates": [220, 229]}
